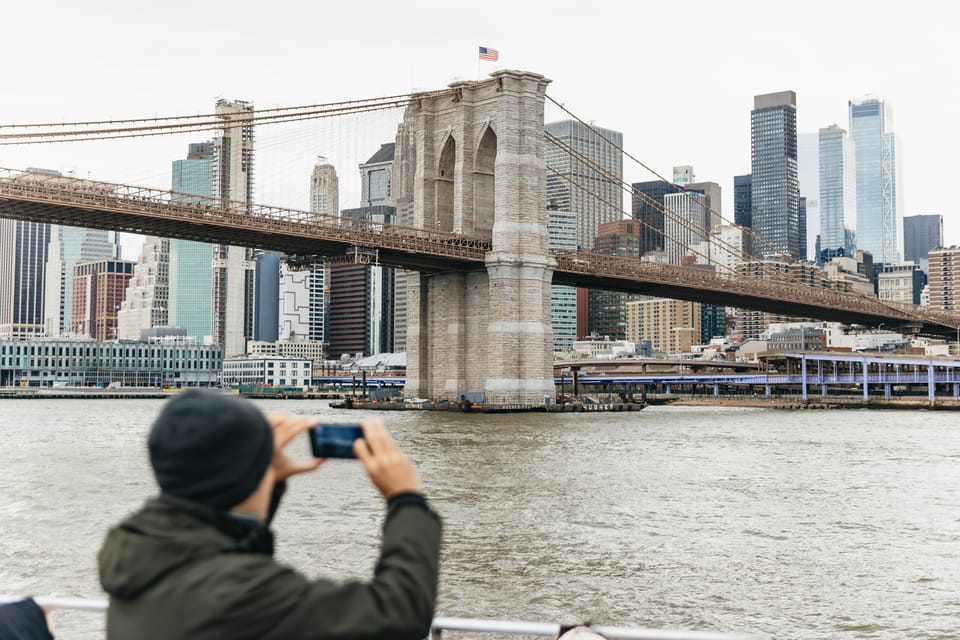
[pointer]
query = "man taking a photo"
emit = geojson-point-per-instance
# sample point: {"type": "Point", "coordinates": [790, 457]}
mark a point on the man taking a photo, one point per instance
{"type": "Point", "coordinates": [197, 561]}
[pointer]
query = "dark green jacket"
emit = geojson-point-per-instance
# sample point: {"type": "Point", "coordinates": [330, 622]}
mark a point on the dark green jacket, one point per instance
{"type": "Point", "coordinates": [179, 570]}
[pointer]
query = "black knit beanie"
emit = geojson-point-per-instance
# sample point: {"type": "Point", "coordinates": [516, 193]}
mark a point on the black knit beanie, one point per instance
{"type": "Point", "coordinates": [210, 447]}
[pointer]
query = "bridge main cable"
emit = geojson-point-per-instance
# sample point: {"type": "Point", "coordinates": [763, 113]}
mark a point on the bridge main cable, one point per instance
{"type": "Point", "coordinates": [205, 122]}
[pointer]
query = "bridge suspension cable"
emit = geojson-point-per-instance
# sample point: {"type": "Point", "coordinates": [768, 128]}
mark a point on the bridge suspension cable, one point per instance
{"type": "Point", "coordinates": [753, 237]}
{"type": "Point", "coordinates": [680, 220]}
{"type": "Point", "coordinates": [782, 278]}
{"type": "Point", "coordinates": [143, 127]}
{"type": "Point", "coordinates": [767, 269]}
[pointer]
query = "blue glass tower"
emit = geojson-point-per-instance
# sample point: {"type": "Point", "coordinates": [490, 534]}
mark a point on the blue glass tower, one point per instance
{"type": "Point", "coordinates": [191, 263]}
{"type": "Point", "coordinates": [838, 193]}
{"type": "Point", "coordinates": [878, 210]}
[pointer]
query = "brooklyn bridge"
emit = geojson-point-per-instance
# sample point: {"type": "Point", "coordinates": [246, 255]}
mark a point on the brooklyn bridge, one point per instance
{"type": "Point", "coordinates": [475, 232]}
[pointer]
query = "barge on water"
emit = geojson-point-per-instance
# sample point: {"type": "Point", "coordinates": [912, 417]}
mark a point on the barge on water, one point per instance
{"type": "Point", "coordinates": [466, 406]}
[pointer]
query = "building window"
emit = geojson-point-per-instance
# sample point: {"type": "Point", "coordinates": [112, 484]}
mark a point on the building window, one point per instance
{"type": "Point", "coordinates": [377, 186]}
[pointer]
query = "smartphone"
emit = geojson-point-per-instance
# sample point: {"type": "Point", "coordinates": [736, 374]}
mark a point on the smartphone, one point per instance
{"type": "Point", "coordinates": [334, 440]}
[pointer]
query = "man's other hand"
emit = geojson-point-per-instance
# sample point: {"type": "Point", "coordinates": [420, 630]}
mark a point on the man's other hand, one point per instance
{"type": "Point", "coordinates": [286, 427]}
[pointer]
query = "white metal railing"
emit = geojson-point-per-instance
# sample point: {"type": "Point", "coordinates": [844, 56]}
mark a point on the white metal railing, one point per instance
{"type": "Point", "coordinates": [469, 625]}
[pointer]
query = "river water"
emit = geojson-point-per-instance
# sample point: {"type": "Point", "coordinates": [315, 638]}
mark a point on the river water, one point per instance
{"type": "Point", "coordinates": [803, 524]}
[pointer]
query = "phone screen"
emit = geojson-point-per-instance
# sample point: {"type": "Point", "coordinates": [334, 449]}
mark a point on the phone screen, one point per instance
{"type": "Point", "coordinates": [334, 440]}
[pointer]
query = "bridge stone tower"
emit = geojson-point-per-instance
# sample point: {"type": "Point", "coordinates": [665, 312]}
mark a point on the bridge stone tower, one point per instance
{"type": "Point", "coordinates": [472, 163]}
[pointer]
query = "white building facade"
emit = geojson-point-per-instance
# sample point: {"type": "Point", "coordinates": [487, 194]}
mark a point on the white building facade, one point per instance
{"type": "Point", "coordinates": [292, 373]}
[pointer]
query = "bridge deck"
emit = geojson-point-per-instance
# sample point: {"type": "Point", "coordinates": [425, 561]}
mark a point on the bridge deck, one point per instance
{"type": "Point", "coordinates": [305, 236]}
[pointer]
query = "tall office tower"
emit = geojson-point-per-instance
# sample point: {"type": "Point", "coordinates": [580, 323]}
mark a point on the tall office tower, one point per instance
{"type": "Point", "coordinates": [879, 193]}
{"type": "Point", "coordinates": [324, 188]}
{"type": "Point", "coordinates": [773, 161]}
{"type": "Point", "coordinates": [562, 227]}
{"type": "Point", "coordinates": [98, 291]}
{"type": "Point", "coordinates": [376, 180]}
{"type": "Point", "coordinates": [68, 246]}
{"type": "Point", "coordinates": [348, 325]}
{"type": "Point", "coordinates": [607, 310]}
{"type": "Point", "coordinates": [23, 258]}
{"type": "Point", "coordinates": [591, 187]}
{"type": "Point", "coordinates": [808, 181]}
{"type": "Point", "coordinates": [743, 201]}
{"type": "Point", "coordinates": [325, 200]}
{"type": "Point", "coordinates": [802, 216]}
{"type": "Point", "coordinates": [713, 322]}
{"type": "Point", "coordinates": [647, 208]}
{"type": "Point", "coordinates": [712, 201]}
{"type": "Point", "coordinates": [945, 279]}
{"type": "Point", "coordinates": [295, 304]}
{"type": "Point", "coordinates": [145, 304]}
{"type": "Point", "coordinates": [921, 234]}
{"type": "Point", "coordinates": [266, 301]}
{"type": "Point", "coordinates": [713, 317]}
{"type": "Point", "coordinates": [191, 263]}
{"type": "Point", "coordinates": [838, 193]}
{"type": "Point", "coordinates": [686, 224]}
{"type": "Point", "coordinates": [361, 296]}
{"type": "Point", "coordinates": [233, 267]}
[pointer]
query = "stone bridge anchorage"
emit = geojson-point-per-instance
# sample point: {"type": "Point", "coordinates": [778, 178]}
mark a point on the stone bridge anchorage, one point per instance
{"type": "Point", "coordinates": [473, 164]}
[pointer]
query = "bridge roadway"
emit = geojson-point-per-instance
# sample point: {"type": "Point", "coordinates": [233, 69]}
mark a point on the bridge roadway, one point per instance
{"type": "Point", "coordinates": [306, 236]}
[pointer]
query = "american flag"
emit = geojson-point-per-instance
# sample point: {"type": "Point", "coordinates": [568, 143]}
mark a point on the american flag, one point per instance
{"type": "Point", "coordinates": [486, 53]}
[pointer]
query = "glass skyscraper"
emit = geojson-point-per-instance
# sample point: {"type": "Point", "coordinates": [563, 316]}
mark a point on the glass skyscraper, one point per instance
{"type": "Point", "coordinates": [921, 235]}
{"type": "Point", "coordinates": [266, 301]}
{"type": "Point", "coordinates": [838, 193]}
{"type": "Point", "coordinates": [23, 256]}
{"type": "Point", "coordinates": [743, 200]}
{"type": "Point", "coordinates": [878, 196]}
{"type": "Point", "coordinates": [562, 227]}
{"type": "Point", "coordinates": [775, 188]}
{"type": "Point", "coordinates": [647, 207]}
{"type": "Point", "coordinates": [191, 263]}
{"type": "Point", "coordinates": [595, 196]}
{"type": "Point", "coordinates": [808, 184]}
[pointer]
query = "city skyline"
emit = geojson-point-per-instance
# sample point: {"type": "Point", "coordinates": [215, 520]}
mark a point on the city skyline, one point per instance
{"type": "Point", "coordinates": [665, 131]}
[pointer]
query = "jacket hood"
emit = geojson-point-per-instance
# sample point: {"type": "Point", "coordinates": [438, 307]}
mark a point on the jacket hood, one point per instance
{"type": "Point", "coordinates": [155, 541]}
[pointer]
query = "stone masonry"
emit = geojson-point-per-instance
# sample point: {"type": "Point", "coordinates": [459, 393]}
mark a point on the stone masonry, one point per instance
{"type": "Point", "coordinates": [473, 163]}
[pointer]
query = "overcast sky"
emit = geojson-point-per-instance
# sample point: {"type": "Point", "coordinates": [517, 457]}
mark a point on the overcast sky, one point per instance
{"type": "Point", "coordinates": [677, 78]}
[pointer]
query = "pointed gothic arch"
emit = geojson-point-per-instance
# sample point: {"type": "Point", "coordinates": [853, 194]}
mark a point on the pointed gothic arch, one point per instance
{"type": "Point", "coordinates": [446, 170]}
{"type": "Point", "coordinates": [484, 183]}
